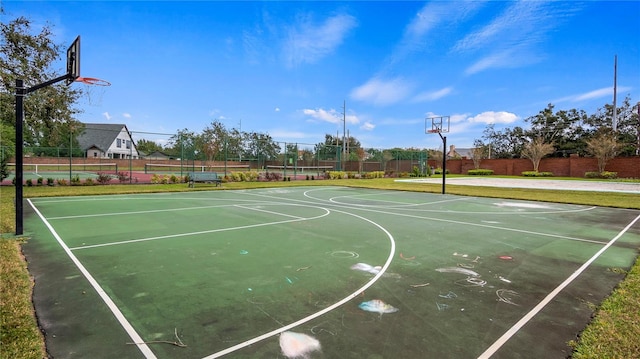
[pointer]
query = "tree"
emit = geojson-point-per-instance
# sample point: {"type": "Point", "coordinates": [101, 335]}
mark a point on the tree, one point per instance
{"type": "Point", "coordinates": [183, 145]}
{"type": "Point", "coordinates": [7, 146]}
{"type": "Point", "coordinates": [148, 147]}
{"type": "Point", "coordinates": [478, 153]}
{"type": "Point", "coordinates": [535, 150]}
{"type": "Point", "coordinates": [504, 144]}
{"type": "Point", "coordinates": [628, 129]}
{"type": "Point", "coordinates": [212, 140]}
{"type": "Point", "coordinates": [362, 155]}
{"type": "Point", "coordinates": [604, 147]}
{"type": "Point", "coordinates": [261, 147]}
{"type": "Point", "coordinates": [28, 55]}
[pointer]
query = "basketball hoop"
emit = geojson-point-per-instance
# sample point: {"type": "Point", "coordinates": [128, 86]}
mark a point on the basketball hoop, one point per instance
{"type": "Point", "coordinates": [93, 89]}
{"type": "Point", "coordinates": [433, 131]}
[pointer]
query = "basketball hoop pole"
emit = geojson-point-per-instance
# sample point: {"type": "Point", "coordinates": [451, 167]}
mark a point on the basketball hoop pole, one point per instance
{"type": "Point", "coordinates": [444, 160]}
{"type": "Point", "coordinates": [21, 92]}
{"type": "Point", "coordinates": [438, 127]}
{"type": "Point", "coordinates": [73, 72]}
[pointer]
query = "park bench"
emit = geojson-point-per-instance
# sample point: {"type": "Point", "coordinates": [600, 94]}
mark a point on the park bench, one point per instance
{"type": "Point", "coordinates": [204, 177]}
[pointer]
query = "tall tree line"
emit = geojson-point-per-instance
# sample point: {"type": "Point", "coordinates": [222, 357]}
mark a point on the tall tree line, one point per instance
{"type": "Point", "coordinates": [569, 131]}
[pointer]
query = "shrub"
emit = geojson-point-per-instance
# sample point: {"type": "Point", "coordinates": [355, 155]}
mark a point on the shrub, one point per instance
{"type": "Point", "coordinates": [75, 180]}
{"type": "Point", "coordinates": [29, 182]}
{"type": "Point", "coordinates": [89, 182]}
{"type": "Point", "coordinates": [438, 171]}
{"type": "Point", "coordinates": [155, 179]}
{"type": "Point", "coordinates": [103, 178]}
{"type": "Point", "coordinates": [173, 179]}
{"type": "Point", "coordinates": [62, 182]}
{"type": "Point", "coordinates": [480, 172]}
{"type": "Point", "coordinates": [603, 175]}
{"type": "Point", "coordinates": [537, 174]}
{"type": "Point", "coordinates": [124, 177]}
{"type": "Point", "coordinates": [272, 176]}
{"type": "Point", "coordinates": [415, 172]}
{"type": "Point", "coordinates": [374, 174]}
{"type": "Point", "coordinates": [337, 174]}
{"type": "Point", "coordinates": [39, 180]}
{"type": "Point", "coordinates": [51, 181]}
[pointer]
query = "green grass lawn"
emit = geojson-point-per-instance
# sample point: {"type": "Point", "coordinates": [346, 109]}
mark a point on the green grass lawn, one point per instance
{"type": "Point", "coordinates": [614, 332]}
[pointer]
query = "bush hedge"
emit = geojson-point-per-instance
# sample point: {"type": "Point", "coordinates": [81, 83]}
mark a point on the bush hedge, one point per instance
{"type": "Point", "coordinates": [604, 175]}
{"type": "Point", "coordinates": [480, 172]}
{"type": "Point", "coordinates": [537, 174]}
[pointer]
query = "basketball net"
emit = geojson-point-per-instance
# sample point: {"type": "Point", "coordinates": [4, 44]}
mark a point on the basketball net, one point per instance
{"type": "Point", "coordinates": [93, 89]}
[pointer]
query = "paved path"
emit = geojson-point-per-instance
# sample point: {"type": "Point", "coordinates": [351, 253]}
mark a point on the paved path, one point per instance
{"type": "Point", "coordinates": [599, 186]}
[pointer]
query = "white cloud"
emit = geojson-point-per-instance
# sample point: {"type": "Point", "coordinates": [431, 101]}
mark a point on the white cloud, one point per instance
{"type": "Point", "coordinates": [509, 40]}
{"type": "Point", "coordinates": [277, 109]}
{"type": "Point", "coordinates": [126, 115]}
{"type": "Point", "coordinates": [307, 42]}
{"type": "Point", "coordinates": [599, 93]}
{"type": "Point", "coordinates": [107, 116]}
{"type": "Point", "coordinates": [494, 117]}
{"type": "Point", "coordinates": [607, 91]}
{"type": "Point", "coordinates": [331, 116]}
{"type": "Point", "coordinates": [432, 95]}
{"type": "Point", "coordinates": [382, 92]}
{"type": "Point", "coordinates": [367, 126]}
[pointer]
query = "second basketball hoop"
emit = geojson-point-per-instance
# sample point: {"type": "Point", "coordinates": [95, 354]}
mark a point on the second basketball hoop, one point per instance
{"type": "Point", "coordinates": [437, 124]}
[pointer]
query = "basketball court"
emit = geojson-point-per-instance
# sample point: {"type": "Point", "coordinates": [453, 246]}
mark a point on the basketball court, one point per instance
{"type": "Point", "coordinates": [365, 273]}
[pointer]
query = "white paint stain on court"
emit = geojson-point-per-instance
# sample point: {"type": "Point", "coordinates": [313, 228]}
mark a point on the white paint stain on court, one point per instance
{"type": "Point", "coordinates": [522, 205]}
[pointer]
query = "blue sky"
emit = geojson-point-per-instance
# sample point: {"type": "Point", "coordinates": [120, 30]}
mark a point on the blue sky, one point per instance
{"type": "Point", "coordinates": [286, 68]}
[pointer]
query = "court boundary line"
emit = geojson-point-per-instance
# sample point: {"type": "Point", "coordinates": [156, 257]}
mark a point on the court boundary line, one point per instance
{"type": "Point", "coordinates": [533, 312]}
{"type": "Point", "coordinates": [133, 334]}
{"type": "Point", "coordinates": [331, 200]}
{"type": "Point", "coordinates": [270, 212]}
{"type": "Point", "coordinates": [141, 212]}
{"type": "Point", "coordinates": [325, 310]}
{"type": "Point", "coordinates": [299, 219]}
{"type": "Point", "coordinates": [449, 220]}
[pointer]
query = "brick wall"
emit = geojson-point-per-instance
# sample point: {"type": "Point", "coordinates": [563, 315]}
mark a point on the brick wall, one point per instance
{"type": "Point", "coordinates": [626, 167]}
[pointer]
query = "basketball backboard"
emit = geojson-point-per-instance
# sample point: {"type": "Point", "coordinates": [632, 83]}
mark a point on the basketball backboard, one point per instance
{"type": "Point", "coordinates": [73, 61]}
{"type": "Point", "coordinates": [437, 124]}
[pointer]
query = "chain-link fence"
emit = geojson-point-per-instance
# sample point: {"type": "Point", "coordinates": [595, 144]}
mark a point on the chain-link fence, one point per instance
{"type": "Point", "coordinates": [292, 160]}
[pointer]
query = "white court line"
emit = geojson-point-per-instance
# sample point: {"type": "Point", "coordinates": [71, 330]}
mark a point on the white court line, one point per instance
{"type": "Point", "coordinates": [146, 351]}
{"type": "Point", "coordinates": [325, 310]}
{"type": "Point", "coordinates": [138, 212]}
{"type": "Point", "coordinates": [270, 212]}
{"type": "Point", "coordinates": [451, 221]}
{"type": "Point", "coordinates": [399, 206]}
{"type": "Point", "coordinates": [516, 327]}
{"type": "Point", "coordinates": [201, 232]}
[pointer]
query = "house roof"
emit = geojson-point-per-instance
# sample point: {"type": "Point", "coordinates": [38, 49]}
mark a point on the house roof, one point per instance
{"type": "Point", "coordinates": [100, 135]}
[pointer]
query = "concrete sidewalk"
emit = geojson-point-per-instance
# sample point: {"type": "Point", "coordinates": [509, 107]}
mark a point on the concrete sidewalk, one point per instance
{"type": "Point", "coordinates": [577, 185]}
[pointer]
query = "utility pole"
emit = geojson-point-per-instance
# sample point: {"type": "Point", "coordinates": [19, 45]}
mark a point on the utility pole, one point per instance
{"type": "Point", "coordinates": [344, 134]}
{"type": "Point", "coordinates": [614, 122]}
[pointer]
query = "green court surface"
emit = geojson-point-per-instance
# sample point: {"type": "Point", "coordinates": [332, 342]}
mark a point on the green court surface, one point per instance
{"type": "Point", "coordinates": [224, 273]}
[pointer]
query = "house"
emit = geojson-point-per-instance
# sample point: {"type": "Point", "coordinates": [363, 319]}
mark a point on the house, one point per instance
{"type": "Point", "coordinates": [102, 140]}
{"type": "Point", "coordinates": [155, 155]}
{"type": "Point", "coordinates": [466, 153]}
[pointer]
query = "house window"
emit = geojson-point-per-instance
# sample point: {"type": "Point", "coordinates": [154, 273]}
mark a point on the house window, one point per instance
{"type": "Point", "coordinates": [128, 144]}
{"type": "Point", "coordinates": [95, 154]}
{"type": "Point", "coordinates": [119, 143]}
